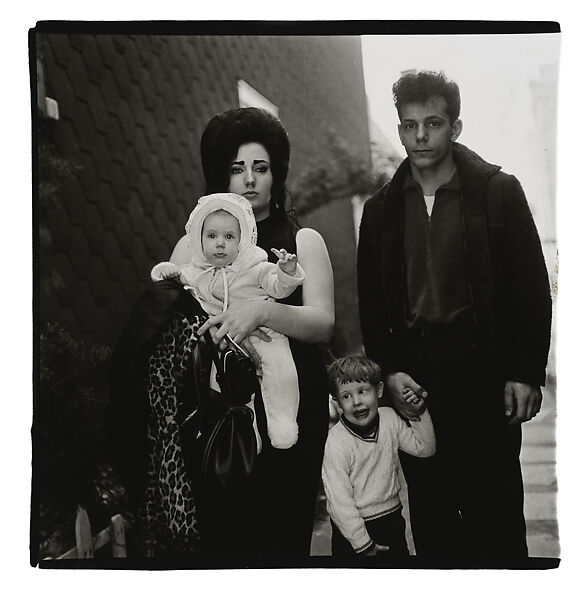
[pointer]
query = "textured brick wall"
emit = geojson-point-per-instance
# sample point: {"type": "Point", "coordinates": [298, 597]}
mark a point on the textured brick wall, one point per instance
{"type": "Point", "coordinates": [132, 110]}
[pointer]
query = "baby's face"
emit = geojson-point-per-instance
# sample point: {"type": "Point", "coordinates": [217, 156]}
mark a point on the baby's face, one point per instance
{"type": "Point", "coordinates": [221, 235]}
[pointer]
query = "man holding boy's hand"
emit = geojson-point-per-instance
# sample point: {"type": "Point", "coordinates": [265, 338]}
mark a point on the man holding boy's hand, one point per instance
{"type": "Point", "coordinates": [455, 305]}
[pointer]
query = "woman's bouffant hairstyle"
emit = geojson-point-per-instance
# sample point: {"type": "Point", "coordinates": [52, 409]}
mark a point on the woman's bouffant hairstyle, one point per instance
{"type": "Point", "coordinates": [420, 87]}
{"type": "Point", "coordinates": [353, 368]}
{"type": "Point", "coordinates": [227, 131]}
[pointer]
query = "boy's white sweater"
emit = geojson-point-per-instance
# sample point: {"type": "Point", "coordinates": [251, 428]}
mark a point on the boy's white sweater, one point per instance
{"type": "Point", "coordinates": [361, 475]}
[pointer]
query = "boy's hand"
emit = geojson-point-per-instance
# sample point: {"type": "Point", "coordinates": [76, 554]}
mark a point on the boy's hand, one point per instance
{"type": "Point", "coordinates": [287, 262]}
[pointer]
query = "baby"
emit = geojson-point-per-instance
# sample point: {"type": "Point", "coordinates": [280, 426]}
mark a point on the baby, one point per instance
{"type": "Point", "coordinates": [228, 267]}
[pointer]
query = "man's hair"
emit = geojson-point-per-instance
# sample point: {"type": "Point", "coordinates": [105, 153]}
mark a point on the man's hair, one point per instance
{"type": "Point", "coordinates": [353, 368]}
{"type": "Point", "coordinates": [229, 130]}
{"type": "Point", "coordinates": [415, 88]}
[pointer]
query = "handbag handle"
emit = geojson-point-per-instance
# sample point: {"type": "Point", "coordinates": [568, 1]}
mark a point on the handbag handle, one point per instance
{"type": "Point", "coordinates": [201, 409]}
{"type": "Point", "coordinates": [237, 346]}
{"type": "Point", "coordinates": [192, 410]}
{"type": "Point", "coordinates": [215, 354]}
{"type": "Point", "coordinates": [197, 361]}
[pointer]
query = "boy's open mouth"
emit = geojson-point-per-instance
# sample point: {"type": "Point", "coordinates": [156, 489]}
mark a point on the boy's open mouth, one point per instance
{"type": "Point", "coordinates": [361, 414]}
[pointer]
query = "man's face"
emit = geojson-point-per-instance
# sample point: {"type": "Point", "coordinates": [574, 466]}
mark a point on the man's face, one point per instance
{"type": "Point", "coordinates": [427, 134]}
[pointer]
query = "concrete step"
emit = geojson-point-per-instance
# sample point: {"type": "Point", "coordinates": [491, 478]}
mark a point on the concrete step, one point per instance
{"type": "Point", "coordinates": [538, 454]}
{"type": "Point", "coordinates": [540, 505]}
{"type": "Point", "coordinates": [538, 434]}
{"type": "Point", "coordinates": [541, 525]}
{"type": "Point", "coordinates": [321, 538]}
{"type": "Point", "coordinates": [538, 459]}
{"type": "Point", "coordinates": [539, 474]}
{"type": "Point", "coordinates": [543, 538]}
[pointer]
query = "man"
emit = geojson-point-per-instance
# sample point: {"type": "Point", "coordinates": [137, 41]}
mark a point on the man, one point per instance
{"type": "Point", "coordinates": [455, 304]}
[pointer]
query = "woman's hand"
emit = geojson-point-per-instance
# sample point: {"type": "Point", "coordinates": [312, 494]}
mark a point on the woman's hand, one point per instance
{"type": "Point", "coordinates": [239, 321]}
{"type": "Point", "coordinates": [247, 345]}
{"type": "Point", "coordinates": [220, 343]}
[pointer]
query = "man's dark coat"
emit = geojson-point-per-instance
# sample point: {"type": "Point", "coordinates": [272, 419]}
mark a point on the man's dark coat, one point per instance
{"type": "Point", "coordinates": [508, 280]}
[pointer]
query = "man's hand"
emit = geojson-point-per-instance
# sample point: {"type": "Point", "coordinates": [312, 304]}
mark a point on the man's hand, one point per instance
{"type": "Point", "coordinates": [400, 385]}
{"type": "Point", "coordinates": [522, 401]}
{"type": "Point", "coordinates": [411, 397]}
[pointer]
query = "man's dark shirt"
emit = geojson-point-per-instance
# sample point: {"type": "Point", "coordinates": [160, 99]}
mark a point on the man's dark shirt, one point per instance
{"type": "Point", "coordinates": [436, 276]}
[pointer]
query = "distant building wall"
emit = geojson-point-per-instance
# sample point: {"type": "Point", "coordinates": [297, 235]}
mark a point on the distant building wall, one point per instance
{"type": "Point", "coordinates": [131, 111]}
{"type": "Point", "coordinates": [339, 235]}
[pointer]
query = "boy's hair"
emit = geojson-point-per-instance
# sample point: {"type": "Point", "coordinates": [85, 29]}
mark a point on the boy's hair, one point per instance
{"type": "Point", "coordinates": [414, 88]}
{"type": "Point", "coordinates": [353, 368]}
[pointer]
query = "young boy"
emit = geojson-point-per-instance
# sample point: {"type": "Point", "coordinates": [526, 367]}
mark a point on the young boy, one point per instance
{"type": "Point", "coordinates": [361, 461]}
{"type": "Point", "coordinates": [227, 267]}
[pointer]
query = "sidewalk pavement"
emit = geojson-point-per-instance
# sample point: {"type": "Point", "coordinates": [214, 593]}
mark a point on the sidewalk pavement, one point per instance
{"type": "Point", "coordinates": [540, 489]}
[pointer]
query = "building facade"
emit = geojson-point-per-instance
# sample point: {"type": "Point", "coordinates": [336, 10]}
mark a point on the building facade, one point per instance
{"type": "Point", "coordinates": [120, 118]}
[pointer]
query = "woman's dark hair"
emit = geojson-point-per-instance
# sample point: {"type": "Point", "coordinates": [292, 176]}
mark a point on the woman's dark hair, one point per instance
{"type": "Point", "coordinates": [227, 131]}
{"type": "Point", "coordinates": [420, 87]}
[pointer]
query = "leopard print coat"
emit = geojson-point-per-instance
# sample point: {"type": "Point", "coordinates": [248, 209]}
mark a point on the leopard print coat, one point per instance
{"type": "Point", "coordinates": [167, 515]}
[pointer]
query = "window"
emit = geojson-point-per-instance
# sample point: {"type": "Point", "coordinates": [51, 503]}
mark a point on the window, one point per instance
{"type": "Point", "coordinates": [249, 96]}
{"type": "Point", "coordinates": [47, 107]}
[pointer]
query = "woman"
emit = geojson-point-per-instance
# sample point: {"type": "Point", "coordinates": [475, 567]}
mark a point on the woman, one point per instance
{"type": "Point", "coordinates": [246, 151]}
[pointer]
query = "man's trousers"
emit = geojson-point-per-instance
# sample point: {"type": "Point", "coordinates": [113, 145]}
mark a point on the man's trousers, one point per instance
{"type": "Point", "coordinates": [466, 502]}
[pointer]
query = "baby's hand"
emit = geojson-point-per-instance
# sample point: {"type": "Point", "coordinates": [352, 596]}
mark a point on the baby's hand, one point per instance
{"type": "Point", "coordinates": [169, 271]}
{"type": "Point", "coordinates": [287, 262]}
{"type": "Point", "coordinates": [165, 270]}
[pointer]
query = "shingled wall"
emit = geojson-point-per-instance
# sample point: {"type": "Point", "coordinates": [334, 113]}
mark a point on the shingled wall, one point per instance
{"type": "Point", "coordinates": [132, 109]}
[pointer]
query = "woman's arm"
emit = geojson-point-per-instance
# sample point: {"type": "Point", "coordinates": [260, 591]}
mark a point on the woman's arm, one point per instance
{"type": "Point", "coordinates": [182, 254]}
{"type": "Point", "coordinates": [312, 322]}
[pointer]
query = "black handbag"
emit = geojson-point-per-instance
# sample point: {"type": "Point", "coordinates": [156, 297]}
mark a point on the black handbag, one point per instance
{"type": "Point", "coordinates": [219, 441]}
{"type": "Point", "coordinates": [237, 376]}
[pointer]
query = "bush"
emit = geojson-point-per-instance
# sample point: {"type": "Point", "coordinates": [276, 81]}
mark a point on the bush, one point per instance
{"type": "Point", "coordinates": [72, 466]}
{"type": "Point", "coordinates": [342, 173]}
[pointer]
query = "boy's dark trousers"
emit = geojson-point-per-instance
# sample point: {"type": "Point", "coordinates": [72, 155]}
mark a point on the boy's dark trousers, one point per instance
{"type": "Point", "coordinates": [388, 530]}
{"type": "Point", "coordinates": [465, 502]}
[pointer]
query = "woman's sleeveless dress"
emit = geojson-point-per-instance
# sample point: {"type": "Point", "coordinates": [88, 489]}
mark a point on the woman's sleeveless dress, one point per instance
{"type": "Point", "coordinates": [272, 523]}
{"type": "Point", "coordinates": [295, 491]}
